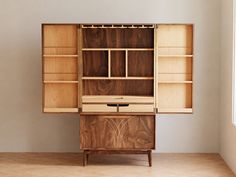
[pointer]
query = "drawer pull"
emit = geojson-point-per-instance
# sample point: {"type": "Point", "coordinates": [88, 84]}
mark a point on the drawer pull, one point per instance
{"type": "Point", "coordinates": [123, 105]}
{"type": "Point", "coordinates": [112, 105]}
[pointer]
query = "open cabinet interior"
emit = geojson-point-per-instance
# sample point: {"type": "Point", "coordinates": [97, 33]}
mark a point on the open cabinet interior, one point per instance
{"type": "Point", "coordinates": [118, 67]}
{"type": "Point", "coordinates": [175, 68]}
{"type": "Point", "coordinates": [60, 68]}
{"type": "Point", "coordinates": [110, 68]}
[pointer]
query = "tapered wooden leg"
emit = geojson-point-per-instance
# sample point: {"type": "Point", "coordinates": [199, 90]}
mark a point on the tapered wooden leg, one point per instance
{"type": "Point", "coordinates": [150, 158]}
{"type": "Point", "coordinates": [84, 158]}
{"type": "Point", "coordinates": [87, 157]}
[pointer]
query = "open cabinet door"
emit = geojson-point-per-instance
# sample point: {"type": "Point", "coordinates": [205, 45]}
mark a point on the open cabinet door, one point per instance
{"type": "Point", "coordinates": [174, 68]}
{"type": "Point", "coordinates": [60, 68]}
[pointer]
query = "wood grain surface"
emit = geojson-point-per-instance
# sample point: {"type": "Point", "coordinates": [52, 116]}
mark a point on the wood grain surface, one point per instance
{"type": "Point", "coordinates": [118, 87]}
{"type": "Point", "coordinates": [118, 38]}
{"type": "Point", "coordinates": [117, 132]}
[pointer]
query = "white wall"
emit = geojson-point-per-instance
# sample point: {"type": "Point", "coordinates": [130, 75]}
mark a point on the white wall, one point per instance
{"type": "Point", "coordinates": [228, 131]}
{"type": "Point", "coordinates": [24, 128]}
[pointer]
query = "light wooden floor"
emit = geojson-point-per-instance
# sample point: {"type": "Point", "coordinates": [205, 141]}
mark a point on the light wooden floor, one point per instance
{"type": "Point", "coordinates": [70, 165]}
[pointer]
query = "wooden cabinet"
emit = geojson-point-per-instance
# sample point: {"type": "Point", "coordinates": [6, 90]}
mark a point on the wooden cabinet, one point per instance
{"type": "Point", "coordinates": [118, 132]}
{"type": "Point", "coordinates": [117, 77]}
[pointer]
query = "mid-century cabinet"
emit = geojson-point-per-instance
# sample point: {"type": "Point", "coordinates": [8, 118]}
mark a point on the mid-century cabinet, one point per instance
{"type": "Point", "coordinates": [117, 77]}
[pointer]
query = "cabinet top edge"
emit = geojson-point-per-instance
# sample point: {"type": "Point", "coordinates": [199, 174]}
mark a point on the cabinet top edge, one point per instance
{"type": "Point", "coordinates": [117, 23]}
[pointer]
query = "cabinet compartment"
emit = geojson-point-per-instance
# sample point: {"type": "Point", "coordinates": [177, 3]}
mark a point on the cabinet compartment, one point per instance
{"type": "Point", "coordinates": [118, 87]}
{"type": "Point", "coordinates": [175, 39]}
{"type": "Point", "coordinates": [60, 96]}
{"type": "Point", "coordinates": [140, 63]}
{"type": "Point", "coordinates": [118, 65]}
{"type": "Point", "coordinates": [175, 97]}
{"type": "Point", "coordinates": [175, 69]}
{"type": "Point", "coordinates": [59, 65]}
{"type": "Point", "coordinates": [118, 38]}
{"type": "Point", "coordinates": [59, 36]}
{"type": "Point", "coordinates": [117, 132]}
{"type": "Point", "coordinates": [95, 64]}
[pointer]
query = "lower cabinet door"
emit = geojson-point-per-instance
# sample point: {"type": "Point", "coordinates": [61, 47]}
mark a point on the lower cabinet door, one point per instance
{"type": "Point", "coordinates": [117, 132]}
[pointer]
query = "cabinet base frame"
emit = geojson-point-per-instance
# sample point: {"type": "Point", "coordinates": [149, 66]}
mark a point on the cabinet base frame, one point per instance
{"type": "Point", "coordinates": [86, 154]}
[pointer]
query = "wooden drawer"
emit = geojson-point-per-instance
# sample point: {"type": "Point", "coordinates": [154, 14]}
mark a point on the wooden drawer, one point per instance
{"type": "Point", "coordinates": [136, 108]}
{"type": "Point", "coordinates": [98, 108]}
{"type": "Point", "coordinates": [117, 132]}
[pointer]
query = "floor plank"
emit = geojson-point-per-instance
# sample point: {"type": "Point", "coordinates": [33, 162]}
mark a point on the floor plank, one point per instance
{"type": "Point", "coordinates": [70, 165]}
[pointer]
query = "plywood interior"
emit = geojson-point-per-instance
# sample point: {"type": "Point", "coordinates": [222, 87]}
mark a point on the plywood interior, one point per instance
{"type": "Point", "coordinates": [60, 50]}
{"type": "Point", "coordinates": [60, 36]}
{"type": "Point", "coordinates": [175, 68]}
{"type": "Point", "coordinates": [60, 95]}
{"type": "Point", "coordinates": [59, 65]}
{"type": "Point", "coordinates": [60, 68]}
{"type": "Point", "coordinates": [175, 39]}
{"type": "Point", "coordinates": [175, 95]}
{"type": "Point", "coordinates": [61, 77]}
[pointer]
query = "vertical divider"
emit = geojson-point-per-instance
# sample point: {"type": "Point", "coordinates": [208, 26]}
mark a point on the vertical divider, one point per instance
{"type": "Point", "coordinates": [156, 67]}
{"type": "Point", "coordinates": [126, 63]}
{"type": "Point", "coordinates": [80, 65]}
{"type": "Point", "coordinates": [109, 63]}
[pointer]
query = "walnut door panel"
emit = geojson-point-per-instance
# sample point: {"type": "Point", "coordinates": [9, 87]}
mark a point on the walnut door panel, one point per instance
{"type": "Point", "coordinates": [117, 132]}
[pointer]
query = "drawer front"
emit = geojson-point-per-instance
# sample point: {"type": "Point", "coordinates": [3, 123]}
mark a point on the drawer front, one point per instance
{"type": "Point", "coordinates": [137, 108]}
{"type": "Point", "coordinates": [117, 132]}
{"type": "Point", "coordinates": [99, 108]}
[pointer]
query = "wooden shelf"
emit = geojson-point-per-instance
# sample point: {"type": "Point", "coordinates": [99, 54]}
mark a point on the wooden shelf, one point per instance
{"type": "Point", "coordinates": [117, 78]}
{"type": "Point", "coordinates": [175, 56]}
{"type": "Point", "coordinates": [60, 82]}
{"type": "Point", "coordinates": [107, 49]}
{"type": "Point", "coordinates": [60, 47]}
{"type": "Point", "coordinates": [175, 82]}
{"type": "Point", "coordinates": [60, 110]}
{"type": "Point", "coordinates": [175, 110]}
{"type": "Point", "coordinates": [61, 56]}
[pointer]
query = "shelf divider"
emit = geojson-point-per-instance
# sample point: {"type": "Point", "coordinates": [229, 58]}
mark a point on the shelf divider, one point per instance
{"type": "Point", "coordinates": [60, 110]}
{"type": "Point", "coordinates": [175, 82]}
{"type": "Point", "coordinates": [176, 56]}
{"type": "Point", "coordinates": [109, 63]}
{"type": "Point", "coordinates": [60, 82]}
{"type": "Point", "coordinates": [62, 56]}
{"type": "Point", "coordinates": [126, 63]}
{"type": "Point", "coordinates": [106, 49]}
{"type": "Point", "coordinates": [117, 78]}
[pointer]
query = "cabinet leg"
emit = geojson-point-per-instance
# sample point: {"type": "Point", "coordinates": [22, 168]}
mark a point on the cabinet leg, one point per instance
{"type": "Point", "coordinates": [150, 158]}
{"type": "Point", "coordinates": [87, 158]}
{"type": "Point", "coordinates": [84, 158]}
